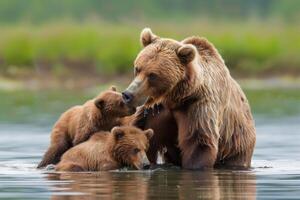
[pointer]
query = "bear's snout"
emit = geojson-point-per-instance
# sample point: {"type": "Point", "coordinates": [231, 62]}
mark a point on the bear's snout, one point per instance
{"type": "Point", "coordinates": [127, 97]}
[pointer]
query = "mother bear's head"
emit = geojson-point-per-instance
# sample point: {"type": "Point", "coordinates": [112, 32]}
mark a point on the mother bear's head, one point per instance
{"type": "Point", "coordinates": [158, 68]}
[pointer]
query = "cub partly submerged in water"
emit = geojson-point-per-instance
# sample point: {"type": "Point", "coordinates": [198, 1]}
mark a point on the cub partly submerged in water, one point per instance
{"type": "Point", "coordinates": [123, 146]}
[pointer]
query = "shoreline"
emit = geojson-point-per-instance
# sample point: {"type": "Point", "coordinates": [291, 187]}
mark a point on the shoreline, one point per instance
{"type": "Point", "coordinates": [73, 83]}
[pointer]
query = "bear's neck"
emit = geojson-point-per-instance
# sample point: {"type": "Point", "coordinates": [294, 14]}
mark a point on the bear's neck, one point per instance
{"type": "Point", "coordinates": [188, 90]}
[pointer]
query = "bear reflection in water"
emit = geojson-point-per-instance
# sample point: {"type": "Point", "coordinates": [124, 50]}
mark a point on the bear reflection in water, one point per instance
{"type": "Point", "coordinates": [171, 184]}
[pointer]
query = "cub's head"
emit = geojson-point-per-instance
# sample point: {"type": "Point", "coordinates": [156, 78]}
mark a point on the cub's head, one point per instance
{"type": "Point", "coordinates": [158, 68]}
{"type": "Point", "coordinates": [111, 104]}
{"type": "Point", "coordinates": [130, 146]}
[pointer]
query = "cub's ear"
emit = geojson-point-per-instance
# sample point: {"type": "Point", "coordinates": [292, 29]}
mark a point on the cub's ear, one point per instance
{"type": "Point", "coordinates": [186, 53]}
{"type": "Point", "coordinates": [149, 133]}
{"type": "Point", "coordinates": [118, 133]}
{"type": "Point", "coordinates": [99, 103]}
{"type": "Point", "coordinates": [113, 88]}
{"type": "Point", "coordinates": [147, 37]}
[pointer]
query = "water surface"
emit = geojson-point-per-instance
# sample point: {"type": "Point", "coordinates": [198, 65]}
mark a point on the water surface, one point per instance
{"type": "Point", "coordinates": [26, 119]}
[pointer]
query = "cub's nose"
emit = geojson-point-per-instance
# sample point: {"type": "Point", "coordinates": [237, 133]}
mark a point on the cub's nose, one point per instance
{"type": "Point", "coordinates": [127, 97]}
{"type": "Point", "coordinates": [145, 161]}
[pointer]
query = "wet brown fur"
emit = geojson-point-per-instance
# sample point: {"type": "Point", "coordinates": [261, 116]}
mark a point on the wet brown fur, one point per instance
{"type": "Point", "coordinates": [164, 140]}
{"type": "Point", "coordinates": [78, 123]}
{"type": "Point", "coordinates": [107, 151]}
{"type": "Point", "coordinates": [213, 118]}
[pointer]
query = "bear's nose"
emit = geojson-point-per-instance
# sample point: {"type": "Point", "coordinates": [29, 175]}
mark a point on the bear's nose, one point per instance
{"type": "Point", "coordinates": [127, 97]}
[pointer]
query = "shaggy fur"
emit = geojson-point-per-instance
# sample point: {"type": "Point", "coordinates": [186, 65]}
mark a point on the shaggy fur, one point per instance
{"type": "Point", "coordinates": [124, 146]}
{"type": "Point", "coordinates": [212, 114]}
{"type": "Point", "coordinates": [164, 141]}
{"type": "Point", "coordinates": [78, 123]}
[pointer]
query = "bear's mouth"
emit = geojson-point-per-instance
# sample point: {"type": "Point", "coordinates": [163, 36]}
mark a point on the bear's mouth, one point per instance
{"type": "Point", "coordinates": [135, 94]}
{"type": "Point", "coordinates": [141, 100]}
{"type": "Point", "coordinates": [151, 102]}
{"type": "Point", "coordinates": [133, 100]}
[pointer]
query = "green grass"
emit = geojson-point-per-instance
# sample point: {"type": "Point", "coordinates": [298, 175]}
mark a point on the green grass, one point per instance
{"type": "Point", "coordinates": [249, 49]}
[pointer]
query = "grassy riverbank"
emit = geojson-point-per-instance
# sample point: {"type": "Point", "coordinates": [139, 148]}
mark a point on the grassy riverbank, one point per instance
{"type": "Point", "coordinates": [251, 49]}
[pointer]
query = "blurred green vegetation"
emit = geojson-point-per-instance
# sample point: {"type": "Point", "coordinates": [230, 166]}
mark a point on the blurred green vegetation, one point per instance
{"type": "Point", "coordinates": [255, 38]}
{"type": "Point", "coordinates": [90, 47]}
{"type": "Point", "coordinates": [254, 49]}
{"type": "Point", "coordinates": [38, 11]}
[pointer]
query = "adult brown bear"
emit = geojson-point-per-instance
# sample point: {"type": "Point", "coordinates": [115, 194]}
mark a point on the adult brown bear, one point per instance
{"type": "Point", "coordinates": [190, 82]}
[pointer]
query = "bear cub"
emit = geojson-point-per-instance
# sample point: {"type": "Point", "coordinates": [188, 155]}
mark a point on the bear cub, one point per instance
{"type": "Point", "coordinates": [78, 123]}
{"type": "Point", "coordinates": [123, 146]}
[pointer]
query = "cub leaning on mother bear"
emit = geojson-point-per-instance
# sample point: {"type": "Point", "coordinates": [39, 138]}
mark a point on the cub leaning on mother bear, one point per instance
{"type": "Point", "coordinates": [209, 122]}
{"type": "Point", "coordinates": [78, 123]}
{"type": "Point", "coordinates": [123, 146]}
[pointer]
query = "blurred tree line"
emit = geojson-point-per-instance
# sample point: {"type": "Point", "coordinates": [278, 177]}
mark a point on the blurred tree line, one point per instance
{"type": "Point", "coordinates": [38, 11]}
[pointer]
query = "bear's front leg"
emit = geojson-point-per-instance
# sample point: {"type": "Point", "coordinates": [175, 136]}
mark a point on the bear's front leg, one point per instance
{"type": "Point", "coordinates": [69, 167]}
{"type": "Point", "coordinates": [198, 139]}
{"type": "Point", "coordinates": [198, 156]}
{"type": "Point", "coordinates": [199, 149]}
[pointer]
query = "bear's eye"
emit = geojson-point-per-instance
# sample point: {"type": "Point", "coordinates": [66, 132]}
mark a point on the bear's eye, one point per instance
{"type": "Point", "coordinates": [136, 71]}
{"type": "Point", "coordinates": [136, 150]}
{"type": "Point", "coordinates": [152, 77]}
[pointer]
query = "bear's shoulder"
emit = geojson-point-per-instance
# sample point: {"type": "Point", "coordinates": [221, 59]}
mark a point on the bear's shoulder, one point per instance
{"type": "Point", "coordinates": [204, 47]}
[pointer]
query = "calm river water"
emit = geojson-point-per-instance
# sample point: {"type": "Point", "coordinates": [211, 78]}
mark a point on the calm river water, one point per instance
{"type": "Point", "coordinates": [26, 119]}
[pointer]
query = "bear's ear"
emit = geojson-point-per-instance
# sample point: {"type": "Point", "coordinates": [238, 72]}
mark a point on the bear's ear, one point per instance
{"type": "Point", "coordinates": [113, 88]}
{"type": "Point", "coordinates": [186, 53]}
{"type": "Point", "coordinates": [147, 37]}
{"type": "Point", "coordinates": [99, 103]}
{"type": "Point", "coordinates": [118, 133]}
{"type": "Point", "coordinates": [149, 133]}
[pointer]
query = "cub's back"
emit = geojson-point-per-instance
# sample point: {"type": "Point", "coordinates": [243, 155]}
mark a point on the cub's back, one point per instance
{"type": "Point", "coordinates": [89, 150]}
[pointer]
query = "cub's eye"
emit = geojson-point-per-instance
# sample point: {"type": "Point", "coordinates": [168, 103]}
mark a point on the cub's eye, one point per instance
{"type": "Point", "coordinates": [152, 77]}
{"type": "Point", "coordinates": [136, 150]}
